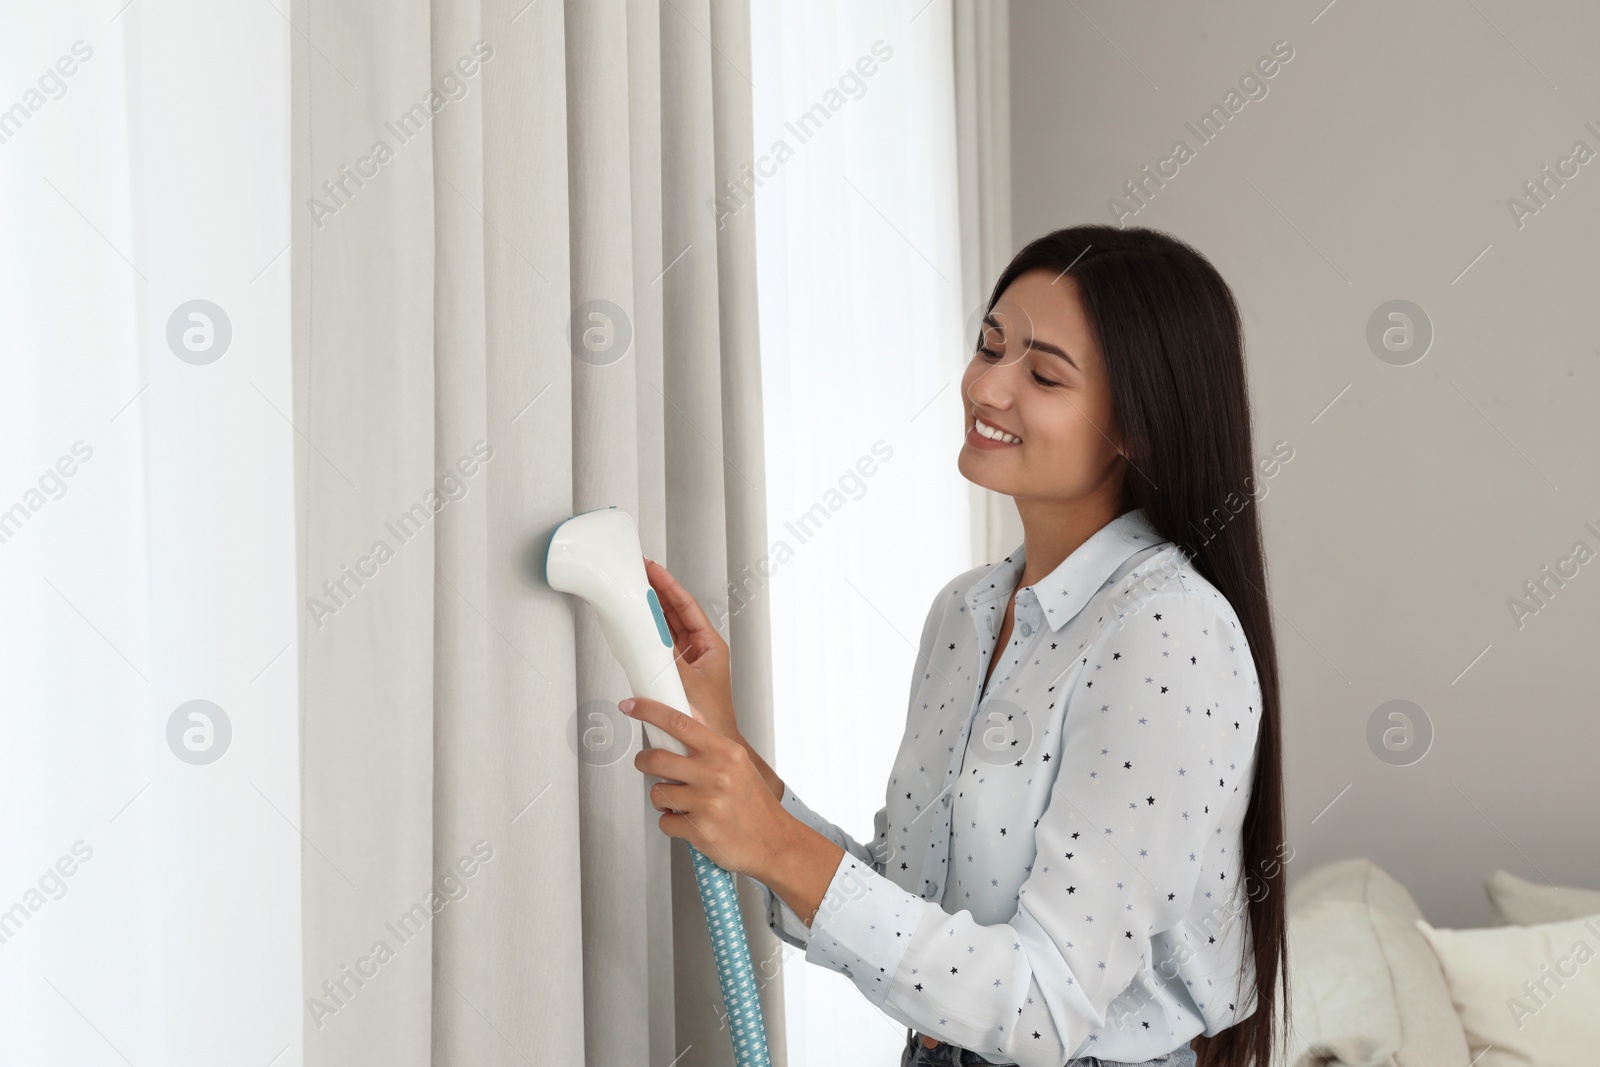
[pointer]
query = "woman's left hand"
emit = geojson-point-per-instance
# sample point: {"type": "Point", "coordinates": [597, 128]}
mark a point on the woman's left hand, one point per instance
{"type": "Point", "coordinates": [722, 806]}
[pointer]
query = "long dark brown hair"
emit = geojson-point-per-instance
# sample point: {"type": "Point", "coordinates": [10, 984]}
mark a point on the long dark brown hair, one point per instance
{"type": "Point", "coordinates": [1170, 334]}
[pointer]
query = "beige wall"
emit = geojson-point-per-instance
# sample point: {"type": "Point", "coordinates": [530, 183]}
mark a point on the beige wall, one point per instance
{"type": "Point", "coordinates": [1420, 498]}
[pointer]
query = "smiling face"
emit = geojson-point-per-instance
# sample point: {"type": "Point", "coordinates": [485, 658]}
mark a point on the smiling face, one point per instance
{"type": "Point", "coordinates": [1039, 421]}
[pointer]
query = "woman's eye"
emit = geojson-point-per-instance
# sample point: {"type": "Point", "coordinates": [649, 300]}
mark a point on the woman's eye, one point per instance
{"type": "Point", "coordinates": [991, 354]}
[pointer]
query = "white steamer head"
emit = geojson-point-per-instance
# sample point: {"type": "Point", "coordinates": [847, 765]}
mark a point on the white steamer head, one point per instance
{"type": "Point", "coordinates": [596, 555]}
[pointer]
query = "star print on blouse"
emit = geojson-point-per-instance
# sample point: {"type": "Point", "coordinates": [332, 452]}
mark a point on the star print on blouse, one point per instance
{"type": "Point", "coordinates": [1113, 924]}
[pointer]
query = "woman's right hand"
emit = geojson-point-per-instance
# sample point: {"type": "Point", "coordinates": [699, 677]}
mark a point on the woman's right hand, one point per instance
{"type": "Point", "coordinates": [700, 652]}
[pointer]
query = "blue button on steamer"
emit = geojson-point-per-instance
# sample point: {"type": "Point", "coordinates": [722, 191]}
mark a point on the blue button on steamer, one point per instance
{"type": "Point", "coordinates": [661, 620]}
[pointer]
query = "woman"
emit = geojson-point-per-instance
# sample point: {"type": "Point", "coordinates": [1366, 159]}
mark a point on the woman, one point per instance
{"type": "Point", "coordinates": [1079, 856]}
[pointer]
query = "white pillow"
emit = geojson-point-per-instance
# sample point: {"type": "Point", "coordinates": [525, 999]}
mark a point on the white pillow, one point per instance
{"type": "Point", "coordinates": [1516, 900]}
{"type": "Point", "coordinates": [1495, 975]}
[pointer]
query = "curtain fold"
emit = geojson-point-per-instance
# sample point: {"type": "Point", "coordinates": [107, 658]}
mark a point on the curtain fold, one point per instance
{"type": "Point", "coordinates": [517, 308]}
{"type": "Point", "coordinates": [983, 161]}
{"type": "Point", "coordinates": [716, 501]}
{"type": "Point", "coordinates": [744, 588]}
{"type": "Point", "coordinates": [362, 311]}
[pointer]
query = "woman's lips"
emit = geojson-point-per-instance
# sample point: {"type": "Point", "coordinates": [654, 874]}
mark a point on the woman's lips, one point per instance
{"type": "Point", "coordinates": [977, 440]}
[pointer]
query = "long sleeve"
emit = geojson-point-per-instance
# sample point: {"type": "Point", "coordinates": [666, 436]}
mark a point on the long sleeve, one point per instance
{"type": "Point", "coordinates": [780, 917]}
{"type": "Point", "coordinates": [1155, 760]}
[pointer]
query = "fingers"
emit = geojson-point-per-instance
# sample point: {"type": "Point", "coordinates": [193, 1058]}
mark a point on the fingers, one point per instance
{"type": "Point", "coordinates": [669, 796]}
{"type": "Point", "coordinates": [665, 585]}
{"type": "Point", "coordinates": [667, 765]}
{"type": "Point", "coordinates": [680, 605]}
{"type": "Point", "coordinates": [680, 724]}
{"type": "Point", "coordinates": [671, 595]}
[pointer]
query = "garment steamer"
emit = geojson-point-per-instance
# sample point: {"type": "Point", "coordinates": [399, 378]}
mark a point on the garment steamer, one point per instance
{"type": "Point", "coordinates": [596, 555]}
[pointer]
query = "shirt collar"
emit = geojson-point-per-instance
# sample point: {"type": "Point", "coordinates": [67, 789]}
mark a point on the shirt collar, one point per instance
{"type": "Point", "coordinates": [1064, 591]}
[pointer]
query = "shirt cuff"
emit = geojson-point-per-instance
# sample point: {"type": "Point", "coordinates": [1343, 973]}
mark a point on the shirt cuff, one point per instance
{"type": "Point", "coordinates": [863, 928]}
{"type": "Point", "coordinates": [800, 810]}
{"type": "Point", "coordinates": [782, 920]}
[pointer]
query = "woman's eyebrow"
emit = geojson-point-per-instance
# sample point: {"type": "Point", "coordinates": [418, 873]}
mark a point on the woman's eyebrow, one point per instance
{"type": "Point", "coordinates": [1046, 346]}
{"type": "Point", "coordinates": [1034, 342]}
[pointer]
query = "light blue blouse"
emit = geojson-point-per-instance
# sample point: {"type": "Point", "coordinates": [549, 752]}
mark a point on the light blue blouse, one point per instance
{"type": "Point", "coordinates": [1057, 869]}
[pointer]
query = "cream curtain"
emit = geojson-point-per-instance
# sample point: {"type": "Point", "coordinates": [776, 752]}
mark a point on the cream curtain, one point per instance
{"type": "Point", "coordinates": [519, 307]}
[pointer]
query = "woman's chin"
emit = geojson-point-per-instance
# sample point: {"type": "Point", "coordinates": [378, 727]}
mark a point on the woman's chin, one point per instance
{"type": "Point", "coordinates": [974, 466]}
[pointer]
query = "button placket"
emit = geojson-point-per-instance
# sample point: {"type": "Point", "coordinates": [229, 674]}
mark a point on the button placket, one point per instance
{"type": "Point", "coordinates": [1027, 624]}
{"type": "Point", "coordinates": [1027, 615]}
{"type": "Point", "coordinates": [937, 872]}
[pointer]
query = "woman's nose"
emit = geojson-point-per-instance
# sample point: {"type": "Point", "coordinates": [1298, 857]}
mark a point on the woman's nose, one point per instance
{"type": "Point", "coordinates": [992, 386]}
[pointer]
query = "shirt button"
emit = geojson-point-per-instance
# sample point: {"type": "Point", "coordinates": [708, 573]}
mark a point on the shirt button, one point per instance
{"type": "Point", "coordinates": [1027, 630]}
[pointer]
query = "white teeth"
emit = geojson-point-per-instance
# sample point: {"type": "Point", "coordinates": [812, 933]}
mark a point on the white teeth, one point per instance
{"type": "Point", "coordinates": [993, 434]}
